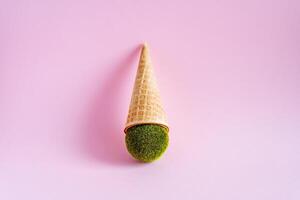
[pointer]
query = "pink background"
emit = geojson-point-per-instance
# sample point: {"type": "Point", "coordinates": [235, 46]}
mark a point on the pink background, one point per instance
{"type": "Point", "coordinates": [228, 71]}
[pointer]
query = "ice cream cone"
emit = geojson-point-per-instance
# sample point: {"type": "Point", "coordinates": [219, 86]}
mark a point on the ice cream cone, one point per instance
{"type": "Point", "coordinates": [145, 106]}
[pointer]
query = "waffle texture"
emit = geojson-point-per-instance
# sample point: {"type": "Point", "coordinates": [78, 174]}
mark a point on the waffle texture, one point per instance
{"type": "Point", "coordinates": [145, 105]}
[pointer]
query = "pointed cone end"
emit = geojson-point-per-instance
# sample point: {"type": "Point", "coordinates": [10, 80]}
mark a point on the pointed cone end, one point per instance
{"type": "Point", "coordinates": [145, 51]}
{"type": "Point", "coordinates": [145, 45]}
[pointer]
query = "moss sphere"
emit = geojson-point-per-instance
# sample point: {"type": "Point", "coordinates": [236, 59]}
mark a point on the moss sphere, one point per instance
{"type": "Point", "coordinates": [147, 142]}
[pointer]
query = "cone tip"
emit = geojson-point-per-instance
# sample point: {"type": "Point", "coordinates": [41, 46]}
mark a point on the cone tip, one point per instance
{"type": "Point", "coordinates": [145, 45]}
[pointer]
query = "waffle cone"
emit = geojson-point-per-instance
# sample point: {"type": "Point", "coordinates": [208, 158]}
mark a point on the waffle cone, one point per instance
{"type": "Point", "coordinates": [145, 105]}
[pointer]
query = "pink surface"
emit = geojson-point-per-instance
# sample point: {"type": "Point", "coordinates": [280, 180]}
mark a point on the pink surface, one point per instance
{"type": "Point", "coordinates": [229, 73]}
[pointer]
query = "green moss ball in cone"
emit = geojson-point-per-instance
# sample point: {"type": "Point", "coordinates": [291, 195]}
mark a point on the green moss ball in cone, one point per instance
{"type": "Point", "coordinates": [147, 131]}
{"type": "Point", "coordinates": [147, 142]}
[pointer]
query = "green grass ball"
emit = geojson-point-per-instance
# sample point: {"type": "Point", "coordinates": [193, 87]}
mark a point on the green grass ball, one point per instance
{"type": "Point", "coordinates": [147, 142]}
